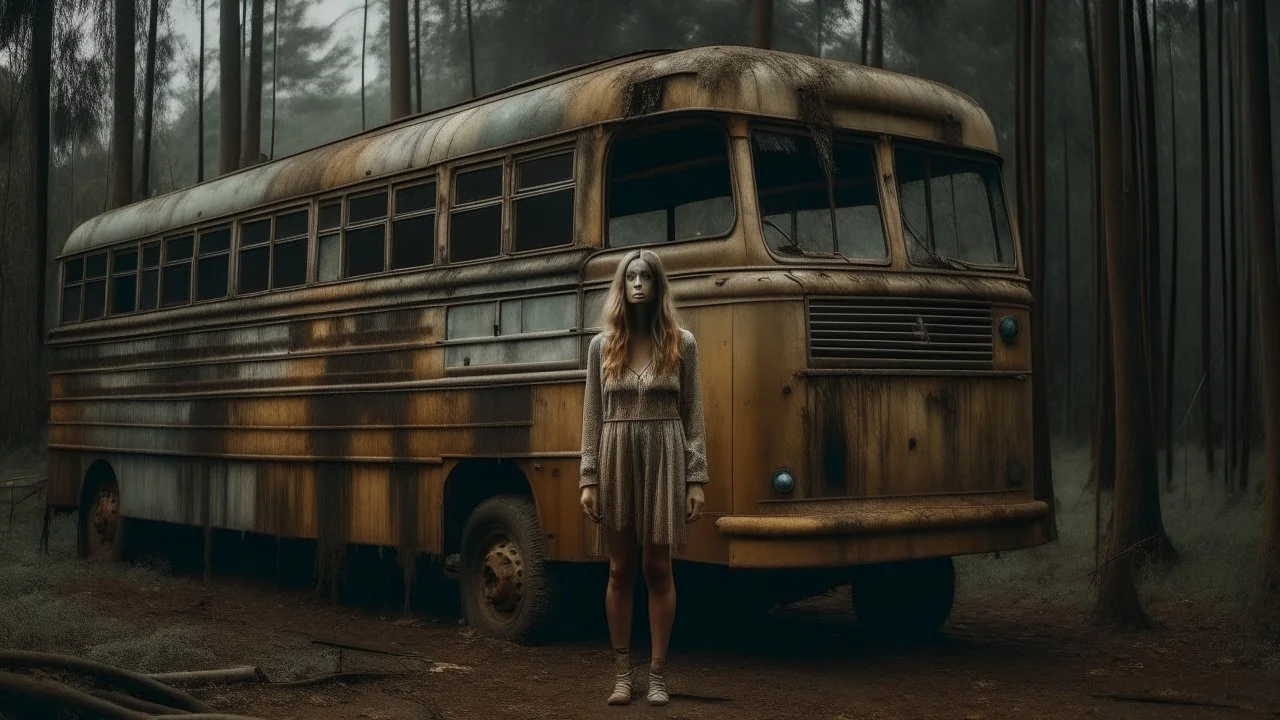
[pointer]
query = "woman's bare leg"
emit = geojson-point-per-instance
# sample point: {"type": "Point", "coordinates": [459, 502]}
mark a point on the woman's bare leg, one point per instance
{"type": "Point", "coordinates": [662, 614]}
{"type": "Point", "coordinates": [618, 606]}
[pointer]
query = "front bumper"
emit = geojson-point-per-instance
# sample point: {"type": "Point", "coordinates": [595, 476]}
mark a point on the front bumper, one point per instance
{"type": "Point", "coordinates": [854, 537]}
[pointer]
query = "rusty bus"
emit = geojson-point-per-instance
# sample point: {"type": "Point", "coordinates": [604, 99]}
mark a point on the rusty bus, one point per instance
{"type": "Point", "coordinates": [381, 341]}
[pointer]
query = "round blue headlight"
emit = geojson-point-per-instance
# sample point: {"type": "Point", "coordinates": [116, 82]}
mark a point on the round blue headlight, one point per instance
{"type": "Point", "coordinates": [783, 482]}
{"type": "Point", "coordinates": [1009, 329]}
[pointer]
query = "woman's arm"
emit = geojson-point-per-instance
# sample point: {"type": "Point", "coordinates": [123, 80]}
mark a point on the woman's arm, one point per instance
{"type": "Point", "coordinates": [695, 430]}
{"type": "Point", "coordinates": [592, 417]}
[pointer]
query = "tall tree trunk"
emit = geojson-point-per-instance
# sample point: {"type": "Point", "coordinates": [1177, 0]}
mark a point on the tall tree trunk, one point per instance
{"type": "Point", "coordinates": [1233, 327]}
{"type": "Point", "coordinates": [1151, 208]}
{"type": "Point", "coordinates": [399, 61]}
{"type": "Point", "coordinates": [200, 104]}
{"type": "Point", "coordinates": [1103, 446]}
{"type": "Point", "coordinates": [228, 88]}
{"type": "Point", "coordinates": [417, 53]}
{"type": "Point", "coordinates": [251, 148]}
{"type": "Point", "coordinates": [471, 49]}
{"type": "Point", "coordinates": [1173, 279]}
{"type": "Point", "coordinates": [1040, 376]}
{"type": "Point", "coordinates": [123, 106]}
{"type": "Point", "coordinates": [275, 73]}
{"type": "Point", "coordinates": [763, 24]}
{"type": "Point", "coordinates": [364, 46]}
{"type": "Point", "coordinates": [1068, 401]}
{"type": "Point", "coordinates": [1239, 240]}
{"type": "Point", "coordinates": [877, 56]}
{"type": "Point", "coordinates": [866, 31]}
{"type": "Point", "coordinates": [148, 102]}
{"type": "Point", "coordinates": [1227, 388]}
{"type": "Point", "coordinates": [41, 71]}
{"type": "Point", "coordinates": [1206, 340]}
{"type": "Point", "coordinates": [1257, 102]}
{"type": "Point", "coordinates": [1118, 602]}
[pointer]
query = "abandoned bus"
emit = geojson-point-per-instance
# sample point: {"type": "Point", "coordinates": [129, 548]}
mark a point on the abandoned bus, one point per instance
{"type": "Point", "coordinates": [381, 341]}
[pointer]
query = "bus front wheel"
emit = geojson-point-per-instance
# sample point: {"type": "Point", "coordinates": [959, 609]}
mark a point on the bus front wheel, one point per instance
{"type": "Point", "coordinates": [904, 600]}
{"type": "Point", "coordinates": [503, 579]}
{"type": "Point", "coordinates": [101, 526]}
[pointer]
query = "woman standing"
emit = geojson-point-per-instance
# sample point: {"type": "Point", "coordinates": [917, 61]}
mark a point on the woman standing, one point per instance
{"type": "Point", "coordinates": [643, 454]}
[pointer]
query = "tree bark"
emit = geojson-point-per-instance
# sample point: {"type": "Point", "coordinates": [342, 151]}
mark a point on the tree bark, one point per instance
{"type": "Point", "coordinates": [1151, 208]}
{"type": "Point", "coordinates": [877, 57]}
{"type": "Point", "coordinates": [866, 30]}
{"type": "Point", "coordinates": [251, 148]}
{"type": "Point", "coordinates": [1068, 398]}
{"type": "Point", "coordinates": [122, 126]}
{"type": "Point", "coordinates": [1206, 340]}
{"type": "Point", "coordinates": [275, 73]}
{"type": "Point", "coordinates": [148, 101]}
{"type": "Point", "coordinates": [228, 88]}
{"type": "Point", "coordinates": [1227, 389]}
{"type": "Point", "coordinates": [471, 49]}
{"type": "Point", "coordinates": [1118, 602]}
{"type": "Point", "coordinates": [1233, 327]}
{"type": "Point", "coordinates": [763, 24]}
{"type": "Point", "coordinates": [399, 60]}
{"type": "Point", "coordinates": [1257, 102]}
{"type": "Point", "coordinates": [1173, 279]}
{"type": "Point", "coordinates": [1103, 446]}
{"type": "Point", "coordinates": [417, 53]}
{"type": "Point", "coordinates": [41, 71]}
{"type": "Point", "coordinates": [200, 104]}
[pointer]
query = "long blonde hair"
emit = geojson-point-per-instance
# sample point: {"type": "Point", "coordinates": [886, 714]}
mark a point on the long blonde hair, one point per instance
{"type": "Point", "coordinates": [664, 328]}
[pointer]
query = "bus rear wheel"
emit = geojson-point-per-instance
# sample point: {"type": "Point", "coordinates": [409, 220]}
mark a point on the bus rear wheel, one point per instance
{"type": "Point", "coordinates": [904, 600]}
{"type": "Point", "coordinates": [503, 580]}
{"type": "Point", "coordinates": [101, 526]}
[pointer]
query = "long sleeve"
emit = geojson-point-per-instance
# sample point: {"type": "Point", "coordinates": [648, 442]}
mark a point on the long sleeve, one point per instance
{"type": "Point", "coordinates": [592, 417]}
{"type": "Point", "coordinates": [695, 429]}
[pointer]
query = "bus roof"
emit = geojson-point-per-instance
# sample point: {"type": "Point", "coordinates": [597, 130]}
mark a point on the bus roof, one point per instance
{"type": "Point", "coordinates": [733, 79]}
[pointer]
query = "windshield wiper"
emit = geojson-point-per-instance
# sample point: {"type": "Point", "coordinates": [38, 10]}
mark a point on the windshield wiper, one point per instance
{"type": "Point", "coordinates": [937, 257]}
{"type": "Point", "coordinates": [793, 248]}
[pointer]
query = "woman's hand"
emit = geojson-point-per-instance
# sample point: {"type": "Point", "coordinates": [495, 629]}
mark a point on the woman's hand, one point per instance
{"type": "Point", "coordinates": [588, 502]}
{"type": "Point", "coordinates": [694, 500]}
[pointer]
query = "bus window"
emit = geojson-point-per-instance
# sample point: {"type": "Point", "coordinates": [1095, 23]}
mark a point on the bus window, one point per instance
{"type": "Point", "coordinates": [289, 249]}
{"type": "Point", "coordinates": [796, 210]}
{"type": "Point", "coordinates": [72, 289]}
{"type": "Point", "coordinates": [254, 265]}
{"type": "Point", "coordinates": [213, 267]}
{"type": "Point", "coordinates": [124, 281]}
{"type": "Point", "coordinates": [952, 209]}
{"type": "Point", "coordinates": [95, 286]}
{"type": "Point", "coordinates": [670, 185]}
{"type": "Point", "coordinates": [329, 262]}
{"type": "Point", "coordinates": [148, 297]}
{"type": "Point", "coordinates": [175, 274]}
{"type": "Point", "coordinates": [366, 234]}
{"type": "Point", "coordinates": [413, 232]}
{"type": "Point", "coordinates": [475, 222]}
{"type": "Point", "coordinates": [544, 201]}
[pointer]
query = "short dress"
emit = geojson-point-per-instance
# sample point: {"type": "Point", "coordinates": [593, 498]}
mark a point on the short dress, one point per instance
{"type": "Point", "coordinates": [643, 442]}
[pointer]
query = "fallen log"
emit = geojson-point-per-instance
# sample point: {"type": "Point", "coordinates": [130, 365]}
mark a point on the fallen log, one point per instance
{"type": "Point", "coordinates": [133, 703]}
{"type": "Point", "coordinates": [134, 683]}
{"type": "Point", "coordinates": [202, 678]}
{"type": "Point", "coordinates": [54, 694]}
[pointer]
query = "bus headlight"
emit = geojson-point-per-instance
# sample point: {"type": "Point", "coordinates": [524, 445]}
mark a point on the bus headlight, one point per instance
{"type": "Point", "coordinates": [1009, 329]}
{"type": "Point", "coordinates": [783, 483]}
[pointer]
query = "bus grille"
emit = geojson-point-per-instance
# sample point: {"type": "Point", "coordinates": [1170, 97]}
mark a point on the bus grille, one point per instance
{"type": "Point", "coordinates": [873, 332]}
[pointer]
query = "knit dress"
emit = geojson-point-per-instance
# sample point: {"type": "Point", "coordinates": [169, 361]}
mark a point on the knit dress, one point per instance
{"type": "Point", "coordinates": [643, 442]}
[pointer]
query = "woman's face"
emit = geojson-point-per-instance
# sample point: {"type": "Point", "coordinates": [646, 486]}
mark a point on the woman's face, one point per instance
{"type": "Point", "coordinates": [638, 282]}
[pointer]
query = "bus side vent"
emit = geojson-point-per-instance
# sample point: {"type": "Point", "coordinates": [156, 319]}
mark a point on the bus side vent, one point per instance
{"type": "Point", "coordinates": [892, 333]}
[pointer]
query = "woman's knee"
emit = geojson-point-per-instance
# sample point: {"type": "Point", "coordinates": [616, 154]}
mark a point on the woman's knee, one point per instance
{"type": "Point", "coordinates": [657, 570]}
{"type": "Point", "coordinates": [622, 573]}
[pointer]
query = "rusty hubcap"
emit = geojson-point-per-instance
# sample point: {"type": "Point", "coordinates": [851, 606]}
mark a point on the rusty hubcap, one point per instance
{"type": "Point", "coordinates": [104, 519]}
{"type": "Point", "coordinates": [502, 578]}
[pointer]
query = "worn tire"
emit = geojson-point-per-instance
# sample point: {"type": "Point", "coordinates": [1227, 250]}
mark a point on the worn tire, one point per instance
{"type": "Point", "coordinates": [99, 539]}
{"type": "Point", "coordinates": [907, 600]}
{"type": "Point", "coordinates": [504, 583]}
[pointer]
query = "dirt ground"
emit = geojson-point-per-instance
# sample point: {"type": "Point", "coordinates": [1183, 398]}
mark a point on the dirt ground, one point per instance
{"type": "Point", "coordinates": [1018, 645]}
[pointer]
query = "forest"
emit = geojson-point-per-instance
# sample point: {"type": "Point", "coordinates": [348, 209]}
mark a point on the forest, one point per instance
{"type": "Point", "coordinates": [1138, 138]}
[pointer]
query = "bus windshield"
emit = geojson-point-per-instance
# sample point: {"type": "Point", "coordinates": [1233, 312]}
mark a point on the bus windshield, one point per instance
{"type": "Point", "coordinates": [953, 212]}
{"type": "Point", "coordinates": [801, 214]}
